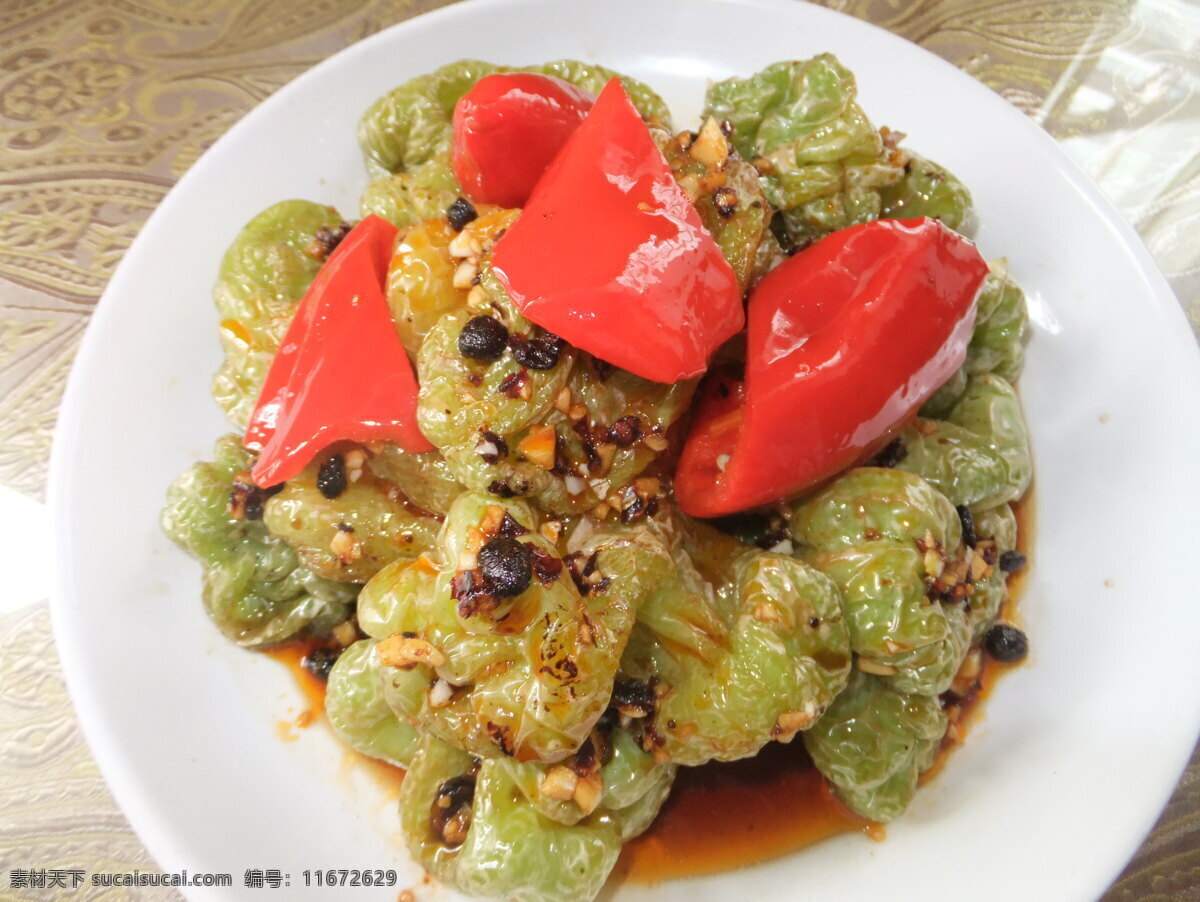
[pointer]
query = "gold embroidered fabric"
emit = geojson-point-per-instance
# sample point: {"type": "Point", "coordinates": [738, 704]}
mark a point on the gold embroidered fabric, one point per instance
{"type": "Point", "coordinates": [105, 103]}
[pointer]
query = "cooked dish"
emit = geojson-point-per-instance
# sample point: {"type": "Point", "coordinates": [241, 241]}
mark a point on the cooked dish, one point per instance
{"type": "Point", "coordinates": [595, 450]}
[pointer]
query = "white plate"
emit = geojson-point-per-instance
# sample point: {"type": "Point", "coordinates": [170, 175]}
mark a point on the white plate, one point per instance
{"type": "Point", "coordinates": [1079, 750]}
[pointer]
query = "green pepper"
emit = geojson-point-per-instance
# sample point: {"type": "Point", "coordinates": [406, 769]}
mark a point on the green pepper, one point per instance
{"type": "Point", "coordinates": [468, 823]}
{"type": "Point", "coordinates": [359, 713]}
{"type": "Point", "coordinates": [1001, 327]}
{"type": "Point", "coordinates": [555, 427]}
{"type": "Point", "coordinates": [998, 525]}
{"type": "Point", "coordinates": [255, 589]}
{"type": "Point", "coordinates": [413, 195]}
{"type": "Point", "coordinates": [873, 743]}
{"type": "Point", "coordinates": [351, 537]}
{"type": "Point", "coordinates": [979, 454]}
{"type": "Point", "coordinates": [927, 189]}
{"type": "Point", "coordinates": [423, 479]}
{"type": "Point", "coordinates": [877, 533]}
{"type": "Point", "coordinates": [749, 648]}
{"type": "Point", "coordinates": [263, 276]}
{"type": "Point", "coordinates": [528, 675]}
{"type": "Point", "coordinates": [460, 396]}
{"type": "Point", "coordinates": [631, 784]}
{"type": "Point", "coordinates": [997, 343]}
{"type": "Point", "coordinates": [725, 191]}
{"type": "Point", "coordinates": [824, 164]}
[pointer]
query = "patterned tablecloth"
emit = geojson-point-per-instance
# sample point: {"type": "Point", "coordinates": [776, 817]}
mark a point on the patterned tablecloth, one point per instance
{"type": "Point", "coordinates": [104, 104]}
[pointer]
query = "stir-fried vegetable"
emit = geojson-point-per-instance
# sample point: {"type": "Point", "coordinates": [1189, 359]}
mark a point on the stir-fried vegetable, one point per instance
{"type": "Point", "coordinates": [549, 637]}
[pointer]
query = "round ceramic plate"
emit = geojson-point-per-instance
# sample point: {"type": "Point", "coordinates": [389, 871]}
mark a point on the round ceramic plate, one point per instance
{"type": "Point", "coordinates": [1078, 750]}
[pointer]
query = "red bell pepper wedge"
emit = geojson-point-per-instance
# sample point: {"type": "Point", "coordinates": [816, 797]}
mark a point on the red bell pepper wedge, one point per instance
{"type": "Point", "coordinates": [508, 128]}
{"type": "Point", "coordinates": [846, 340]}
{"type": "Point", "coordinates": [610, 254]}
{"type": "Point", "coordinates": [341, 372]}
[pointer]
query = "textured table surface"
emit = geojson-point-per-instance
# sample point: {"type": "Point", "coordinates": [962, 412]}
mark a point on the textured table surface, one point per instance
{"type": "Point", "coordinates": [104, 104]}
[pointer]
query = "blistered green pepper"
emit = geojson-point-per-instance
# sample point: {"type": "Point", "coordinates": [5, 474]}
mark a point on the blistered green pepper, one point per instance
{"type": "Point", "coordinates": [460, 397]}
{"type": "Point", "coordinates": [468, 822]}
{"type": "Point", "coordinates": [423, 479]}
{"type": "Point", "coordinates": [884, 536]}
{"type": "Point", "coordinates": [927, 189]}
{"type": "Point", "coordinates": [255, 589]}
{"type": "Point", "coordinates": [997, 343]}
{"type": "Point", "coordinates": [352, 536]}
{"type": "Point", "coordinates": [630, 783]}
{"type": "Point", "coordinates": [263, 276]}
{"type": "Point", "coordinates": [750, 648]}
{"type": "Point", "coordinates": [593, 78]}
{"type": "Point", "coordinates": [549, 435]}
{"type": "Point", "coordinates": [979, 454]}
{"type": "Point", "coordinates": [528, 675]}
{"type": "Point", "coordinates": [726, 193]}
{"type": "Point", "coordinates": [873, 743]}
{"type": "Point", "coordinates": [1001, 327]}
{"type": "Point", "coordinates": [358, 712]}
{"type": "Point", "coordinates": [997, 525]}
{"type": "Point", "coordinates": [413, 124]}
{"type": "Point", "coordinates": [824, 164]}
{"type": "Point", "coordinates": [412, 195]}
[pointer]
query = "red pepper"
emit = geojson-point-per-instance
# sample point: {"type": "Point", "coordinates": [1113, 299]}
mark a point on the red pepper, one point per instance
{"type": "Point", "coordinates": [846, 340]}
{"type": "Point", "coordinates": [508, 128]}
{"type": "Point", "coordinates": [610, 254]}
{"type": "Point", "coordinates": [341, 372]}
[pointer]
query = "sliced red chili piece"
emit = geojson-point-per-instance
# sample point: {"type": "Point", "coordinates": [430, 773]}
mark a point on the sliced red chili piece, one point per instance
{"type": "Point", "coordinates": [610, 254]}
{"type": "Point", "coordinates": [508, 128]}
{"type": "Point", "coordinates": [845, 341]}
{"type": "Point", "coordinates": [341, 372]}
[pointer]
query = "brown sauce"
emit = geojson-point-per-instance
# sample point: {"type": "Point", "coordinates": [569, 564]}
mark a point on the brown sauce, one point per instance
{"type": "Point", "coordinates": [725, 816]}
{"type": "Point", "coordinates": [291, 655]}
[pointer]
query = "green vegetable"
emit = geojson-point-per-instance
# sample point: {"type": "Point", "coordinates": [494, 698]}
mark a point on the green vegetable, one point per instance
{"type": "Point", "coordinates": [376, 525]}
{"type": "Point", "coordinates": [750, 648]}
{"type": "Point", "coordinates": [593, 78]}
{"type": "Point", "coordinates": [943, 400]}
{"type": "Point", "coordinates": [509, 850]}
{"type": "Point", "coordinates": [979, 454]}
{"type": "Point", "coordinates": [1001, 327]}
{"type": "Point", "coordinates": [927, 190]}
{"type": "Point", "coordinates": [997, 343]}
{"type": "Point", "coordinates": [462, 410]}
{"type": "Point", "coordinates": [263, 276]}
{"type": "Point", "coordinates": [424, 479]}
{"type": "Point", "coordinates": [799, 123]}
{"type": "Point", "coordinates": [413, 124]}
{"type": "Point", "coordinates": [726, 193]}
{"type": "Point", "coordinates": [872, 531]}
{"type": "Point", "coordinates": [460, 397]}
{"type": "Point", "coordinates": [632, 784]}
{"type": "Point", "coordinates": [358, 712]}
{"type": "Point", "coordinates": [412, 195]}
{"type": "Point", "coordinates": [998, 524]}
{"type": "Point", "coordinates": [873, 743]}
{"type": "Point", "coordinates": [530, 676]}
{"type": "Point", "coordinates": [255, 589]}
